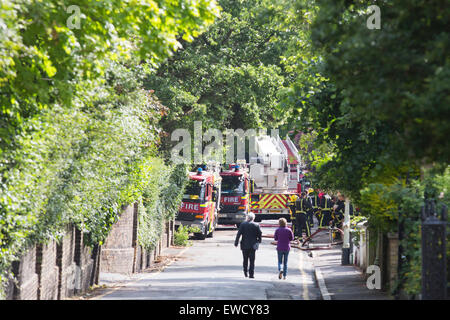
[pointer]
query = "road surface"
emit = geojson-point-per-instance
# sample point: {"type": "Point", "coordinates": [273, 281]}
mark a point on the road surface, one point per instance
{"type": "Point", "coordinates": [211, 269]}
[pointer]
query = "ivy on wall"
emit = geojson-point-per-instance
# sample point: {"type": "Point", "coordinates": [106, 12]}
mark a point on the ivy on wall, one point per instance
{"type": "Point", "coordinates": [78, 132]}
{"type": "Point", "coordinates": [162, 194]}
{"type": "Point", "coordinates": [80, 165]}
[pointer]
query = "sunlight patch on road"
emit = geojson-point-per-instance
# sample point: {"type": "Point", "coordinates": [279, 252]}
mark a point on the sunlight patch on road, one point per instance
{"type": "Point", "coordinates": [304, 277]}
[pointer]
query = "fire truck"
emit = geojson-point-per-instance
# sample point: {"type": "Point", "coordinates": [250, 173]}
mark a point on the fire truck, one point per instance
{"type": "Point", "coordinates": [275, 171]}
{"type": "Point", "coordinates": [201, 199]}
{"type": "Point", "coordinates": [235, 198]}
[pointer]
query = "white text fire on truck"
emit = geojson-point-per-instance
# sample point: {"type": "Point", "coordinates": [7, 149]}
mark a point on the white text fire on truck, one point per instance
{"type": "Point", "coordinates": [201, 199]}
{"type": "Point", "coordinates": [235, 199]}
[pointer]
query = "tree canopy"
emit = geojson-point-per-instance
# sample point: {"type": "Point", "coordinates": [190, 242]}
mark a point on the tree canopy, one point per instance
{"type": "Point", "coordinates": [78, 132]}
{"type": "Point", "coordinates": [232, 76]}
{"type": "Point", "coordinates": [377, 97]}
{"type": "Point", "coordinates": [49, 54]}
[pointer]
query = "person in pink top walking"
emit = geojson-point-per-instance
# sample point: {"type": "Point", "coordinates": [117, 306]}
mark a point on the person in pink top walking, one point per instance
{"type": "Point", "coordinates": [283, 235]}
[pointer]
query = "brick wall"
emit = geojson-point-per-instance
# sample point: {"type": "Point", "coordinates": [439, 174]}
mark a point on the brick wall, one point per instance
{"type": "Point", "coordinates": [9, 289]}
{"type": "Point", "coordinates": [58, 270]}
{"type": "Point", "coordinates": [84, 268]}
{"type": "Point", "coordinates": [392, 259]}
{"type": "Point", "coordinates": [47, 271]}
{"type": "Point", "coordinates": [66, 263]}
{"type": "Point", "coordinates": [53, 270]}
{"type": "Point", "coordinates": [27, 278]}
{"type": "Point", "coordinates": [119, 250]}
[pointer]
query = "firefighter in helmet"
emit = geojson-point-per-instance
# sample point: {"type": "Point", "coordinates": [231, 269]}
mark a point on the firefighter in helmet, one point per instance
{"type": "Point", "coordinates": [314, 201]}
{"type": "Point", "coordinates": [292, 200]}
{"type": "Point", "coordinates": [326, 205]}
{"type": "Point", "coordinates": [338, 212]}
{"type": "Point", "coordinates": [302, 206]}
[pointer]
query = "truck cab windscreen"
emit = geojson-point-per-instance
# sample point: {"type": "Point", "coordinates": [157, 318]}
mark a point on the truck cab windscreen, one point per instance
{"type": "Point", "coordinates": [195, 190]}
{"type": "Point", "coordinates": [232, 184]}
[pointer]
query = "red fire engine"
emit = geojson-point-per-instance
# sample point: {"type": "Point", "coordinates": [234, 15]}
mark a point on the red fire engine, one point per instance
{"type": "Point", "coordinates": [199, 207]}
{"type": "Point", "coordinates": [236, 189]}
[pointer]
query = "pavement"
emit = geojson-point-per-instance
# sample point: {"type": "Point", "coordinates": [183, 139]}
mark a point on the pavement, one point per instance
{"type": "Point", "coordinates": [211, 269]}
{"type": "Point", "coordinates": [336, 281]}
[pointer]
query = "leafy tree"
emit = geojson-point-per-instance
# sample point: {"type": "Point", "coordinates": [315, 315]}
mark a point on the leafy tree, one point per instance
{"type": "Point", "coordinates": [380, 105]}
{"type": "Point", "coordinates": [45, 61]}
{"type": "Point", "coordinates": [379, 99]}
{"type": "Point", "coordinates": [78, 133]}
{"type": "Point", "coordinates": [230, 76]}
{"type": "Point", "coordinates": [398, 95]}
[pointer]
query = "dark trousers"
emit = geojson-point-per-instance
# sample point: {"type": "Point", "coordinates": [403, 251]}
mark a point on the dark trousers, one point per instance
{"type": "Point", "coordinates": [295, 226]}
{"type": "Point", "coordinates": [325, 219]}
{"type": "Point", "coordinates": [310, 215]}
{"type": "Point", "coordinates": [339, 218]}
{"type": "Point", "coordinates": [318, 216]}
{"type": "Point", "coordinates": [249, 254]}
{"type": "Point", "coordinates": [338, 222]}
{"type": "Point", "coordinates": [302, 225]}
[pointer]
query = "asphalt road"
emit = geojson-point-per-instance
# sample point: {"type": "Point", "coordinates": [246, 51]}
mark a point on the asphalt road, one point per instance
{"type": "Point", "coordinates": [211, 269]}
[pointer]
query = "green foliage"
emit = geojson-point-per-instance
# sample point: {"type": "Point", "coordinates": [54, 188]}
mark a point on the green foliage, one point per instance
{"type": "Point", "coordinates": [373, 109]}
{"type": "Point", "coordinates": [387, 205]}
{"type": "Point", "coordinates": [78, 133]}
{"type": "Point", "coordinates": [80, 124]}
{"type": "Point", "coordinates": [44, 61]}
{"type": "Point", "coordinates": [396, 93]}
{"type": "Point", "coordinates": [162, 194]}
{"type": "Point", "coordinates": [230, 76]}
{"type": "Point", "coordinates": [173, 192]}
{"type": "Point", "coordinates": [76, 165]}
{"type": "Point", "coordinates": [81, 166]}
{"type": "Point", "coordinates": [313, 154]}
{"type": "Point", "coordinates": [181, 236]}
{"type": "Point", "coordinates": [372, 112]}
{"type": "Point", "coordinates": [363, 95]}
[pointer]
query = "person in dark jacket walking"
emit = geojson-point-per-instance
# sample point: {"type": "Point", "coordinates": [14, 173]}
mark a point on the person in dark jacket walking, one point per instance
{"type": "Point", "coordinates": [283, 235]}
{"type": "Point", "coordinates": [251, 238]}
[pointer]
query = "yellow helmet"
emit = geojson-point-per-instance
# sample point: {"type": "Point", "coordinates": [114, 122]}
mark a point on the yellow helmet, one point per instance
{"type": "Point", "coordinates": [310, 190]}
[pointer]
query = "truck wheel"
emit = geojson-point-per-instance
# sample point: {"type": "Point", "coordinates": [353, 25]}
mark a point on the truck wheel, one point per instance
{"type": "Point", "coordinates": [203, 235]}
{"type": "Point", "coordinates": [200, 236]}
